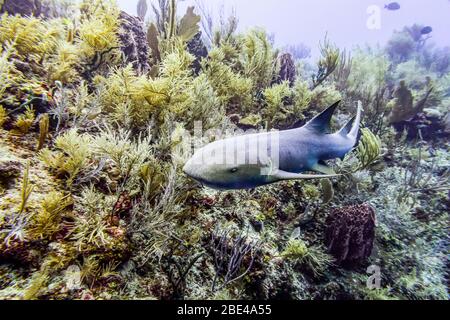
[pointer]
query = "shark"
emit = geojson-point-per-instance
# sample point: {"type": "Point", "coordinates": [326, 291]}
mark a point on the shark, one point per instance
{"type": "Point", "coordinates": [252, 160]}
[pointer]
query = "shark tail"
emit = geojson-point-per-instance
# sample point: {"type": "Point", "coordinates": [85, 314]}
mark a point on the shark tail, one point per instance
{"type": "Point", "coordinates": [351, 129]}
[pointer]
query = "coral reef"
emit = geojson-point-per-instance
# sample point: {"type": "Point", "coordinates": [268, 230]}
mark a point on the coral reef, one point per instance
{"type": "Point", "coordinates": [95, 110]}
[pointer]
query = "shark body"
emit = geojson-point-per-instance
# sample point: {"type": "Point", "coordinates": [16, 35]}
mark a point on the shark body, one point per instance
{"type": "Point", "coordinates": [253, 160]}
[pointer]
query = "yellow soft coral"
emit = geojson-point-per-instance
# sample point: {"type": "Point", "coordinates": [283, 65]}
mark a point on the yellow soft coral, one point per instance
{"type": "Point", "coordinates": [9, 75]}
{"type": "Point", "coordinates": [32, 37]}
{"type": "Point", "coordinates": [25, 120]}
{"type": "Point", "coordinates": [62, 66]}
{"type": "Point", "coordinates": [124, 94]}
{"type": "Point", "coordinates": [99, 28]}
{"type": "Point", "coordinates": [47, 220]}
{"type": "Point", "coordinates": [3, 116]}
{"type": "Point", "coordinates": [72, 157]}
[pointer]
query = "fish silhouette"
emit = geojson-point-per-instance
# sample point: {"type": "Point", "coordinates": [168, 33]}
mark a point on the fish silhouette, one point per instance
{"type": "Point", "coordinates": [392, 6]}
{"type": "Point", "coordinates": [426, 30]}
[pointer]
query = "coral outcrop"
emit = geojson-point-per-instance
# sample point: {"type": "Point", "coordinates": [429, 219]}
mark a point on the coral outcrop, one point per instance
{"type": "Point", "coordinates": [287, 69]}
{"type": "Point", "coordinates": [350, 233]}
{"type": "Point", "coordinates": [9, 170]}
{"type": "Point", "coordinates": [404, 107]}
{"type": "Point", "coordinates": [197, 48]}
{"type": "Point", "coordinates": [22, 7]}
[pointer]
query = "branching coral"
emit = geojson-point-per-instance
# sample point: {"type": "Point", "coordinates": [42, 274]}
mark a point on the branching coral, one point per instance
{"type": "Point", "coordinates": [327, 63]}
{"type": "Point", "coordinates": [9, 75]}
{"type": "Point", "coordinates": [98, 36]}
{"type": "Point", "coordinates": [63, 64]}
{"type": "Point", "coordinates": [47, 221]}
{"type": "Point", "coordinates": [301, 97]}
{"type": "Point", "coordinates": [99, 27]}
{"type": "Point", "coordinates": [32, 37]}
{"type": "Point", "coordinates": [203, 100]}
{"type": "Point", "coordinates": [71, 157]}
{"type": "Point", "coordinates": [3, 116]}
{"type": "Point", "coordinates": [128, 97]}
{"type": "Point", "coordinates": [91, 226]}
{"type": "Point", "coordinates": [25, 121]}
{"type": "Point", "coordinates": [258, 58]}
{"type": "Point", "coordinates": [367, 81]}
{"type": "Point", "coordinates": [368, 149]}
{"type": "Point", "coordinates": [229, 257]}
{"type": "Point", "coordinates": [311, 258]}
{"type": "Point", "coordinates": [128, 156]}
{"type": "Point", "coordinates": [410, 249]}
{"type": "Point", "coordinates": [274, 97]}
{"type": "Point", "coordinates": [17, 221]}
{"type": "Point", "coordinates": [232, 88]}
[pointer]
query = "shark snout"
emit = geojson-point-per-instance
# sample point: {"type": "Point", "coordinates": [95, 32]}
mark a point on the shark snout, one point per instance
{"type": "Point", "coordinates": [189, 169]}
{"type": "Point", "coordinates": [186, 169]}
{"type": "Point", "coordinates": [192, 171]}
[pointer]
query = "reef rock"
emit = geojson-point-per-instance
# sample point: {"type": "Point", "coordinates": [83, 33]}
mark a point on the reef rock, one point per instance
{"type": "Point", "coordinates": [134, 42]}
{"type": "Point", "coordinates": [9, 170]}
{"type": "Point", "coordinates": [350, 234]}
{"type": "Point", "coordinates": [22, 7]}
{"type": "Point", "coordinates": [429, 126]}
{"type": "Point", "coordinates": [403, 105]}
{"type": "Point", "coordinates": [287, 69]}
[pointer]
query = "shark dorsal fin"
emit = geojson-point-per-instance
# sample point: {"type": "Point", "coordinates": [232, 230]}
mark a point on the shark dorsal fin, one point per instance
{"type": "Point", "coordinates": [321, 122]}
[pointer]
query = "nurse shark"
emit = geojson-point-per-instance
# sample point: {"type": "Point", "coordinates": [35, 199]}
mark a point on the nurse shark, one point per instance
{"type": "Point", "coordinates": [257, 159]}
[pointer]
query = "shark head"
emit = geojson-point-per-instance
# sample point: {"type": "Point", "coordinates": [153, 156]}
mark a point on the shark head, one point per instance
{"type": "Point", "coordinates": [226, 177]}
{"type": "Point", "coordinates": [212, 170]}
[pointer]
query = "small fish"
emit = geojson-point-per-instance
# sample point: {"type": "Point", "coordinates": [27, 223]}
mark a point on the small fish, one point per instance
{"type": "Point", "coordinates": [426, 30]}
{"type": "Point", "coordinates": [392, 6]}
{"type": "Point", "coordinates": [297, 150]}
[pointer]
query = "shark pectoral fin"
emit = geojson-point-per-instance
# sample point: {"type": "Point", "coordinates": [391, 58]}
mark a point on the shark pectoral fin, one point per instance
{"type": "Point", "coordinates": [285, 175]}
{"type": "Point", "coordinates": [323, 168]}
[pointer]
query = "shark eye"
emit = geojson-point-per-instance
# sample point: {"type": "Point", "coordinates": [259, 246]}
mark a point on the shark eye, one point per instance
{"type": "Point", "coordinates": [233, 170]}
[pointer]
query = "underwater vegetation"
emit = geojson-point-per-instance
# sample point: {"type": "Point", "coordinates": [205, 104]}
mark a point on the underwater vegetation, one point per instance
{"type": "Point", "coordinates": [94, 204]}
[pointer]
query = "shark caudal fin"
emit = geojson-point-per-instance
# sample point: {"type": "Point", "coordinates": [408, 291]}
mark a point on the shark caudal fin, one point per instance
{"type": "Point", "coordinates": [351, 129]}
{"type": "Point", "coordinates": [321, 123]}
